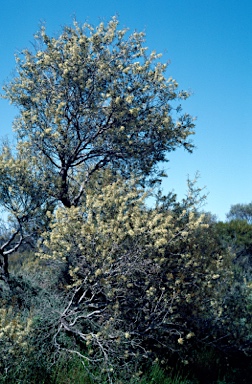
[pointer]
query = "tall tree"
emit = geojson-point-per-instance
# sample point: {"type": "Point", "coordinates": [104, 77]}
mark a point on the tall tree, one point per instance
{"type": "Point", "coordinates": [93, 98]}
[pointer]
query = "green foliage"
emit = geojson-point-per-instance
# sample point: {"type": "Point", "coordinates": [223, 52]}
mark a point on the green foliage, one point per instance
{"type": "Point", "coordinates": [237, 234]}
{"type": "Point", "coordinates": [210, 365]}
{"type": "Point", "coordinates": [159, 376]}
{"type": "Point", "coordinates": [240, 212]}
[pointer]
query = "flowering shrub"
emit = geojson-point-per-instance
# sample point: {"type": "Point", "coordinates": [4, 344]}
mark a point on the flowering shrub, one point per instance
{"type": "Point", "coordinates": [135, 276]}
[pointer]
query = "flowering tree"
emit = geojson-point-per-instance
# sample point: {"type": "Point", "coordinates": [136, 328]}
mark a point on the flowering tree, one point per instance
{"type": "Point", "coordinates": [93, 98]}
{"type": "Point", "coordinates": [113, 280]}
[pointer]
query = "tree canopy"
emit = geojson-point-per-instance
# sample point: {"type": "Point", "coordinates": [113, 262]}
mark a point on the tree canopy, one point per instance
{"type": "Point", "coordinates": [93, 98]}
{"type": "Point", "coordinates": [241, 212]}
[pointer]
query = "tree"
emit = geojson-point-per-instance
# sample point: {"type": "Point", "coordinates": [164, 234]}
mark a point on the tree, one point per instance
{"type": "Point", "coordinates": [93, 98]}
{"type": "Point", "coordinates": [23, 199]}
{"type": "Point", "coordinates": [240, 212]}
{"type": "Point", "coordinates": [237, 234]}
{"type": "Point", "coordinates": [113, 281]}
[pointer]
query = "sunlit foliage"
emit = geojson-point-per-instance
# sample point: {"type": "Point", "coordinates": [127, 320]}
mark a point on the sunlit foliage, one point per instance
{"type": "Point", "coordinates": [134, 274]}
{"type": "Point", "coordinates": [94, 97]}
{"type": "Point", "coordinates": [98, 272]}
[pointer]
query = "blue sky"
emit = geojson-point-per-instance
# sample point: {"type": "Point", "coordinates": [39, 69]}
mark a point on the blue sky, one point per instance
{"type": "Point", "coordinates": [209, 44]}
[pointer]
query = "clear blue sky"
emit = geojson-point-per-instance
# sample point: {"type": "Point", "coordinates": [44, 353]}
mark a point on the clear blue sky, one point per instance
{"type": "Point", "coordinates": [209, 44]}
